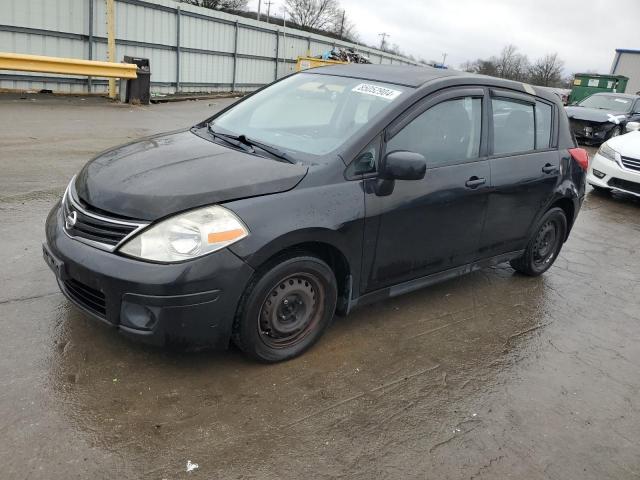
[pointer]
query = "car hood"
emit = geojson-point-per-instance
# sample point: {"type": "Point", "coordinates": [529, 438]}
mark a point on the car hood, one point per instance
{"type": "Point", "coordinates": [594, 114]}
{"type": "Point", "coordinates": [164, 174]}
{"type": "Point", "coordinates": [628, 145]}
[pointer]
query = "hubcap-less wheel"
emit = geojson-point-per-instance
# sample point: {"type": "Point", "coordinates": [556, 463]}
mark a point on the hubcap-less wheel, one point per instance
{"type": "Point", "coordinates": [291, 310]}
{"type": "Point", "coordinates": [546, 243]}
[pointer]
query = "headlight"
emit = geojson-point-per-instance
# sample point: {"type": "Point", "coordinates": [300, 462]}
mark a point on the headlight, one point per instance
{"type": "Point", "coordinates": [187, 235]}
{"type": "Point", "coordinates": [607, 152]}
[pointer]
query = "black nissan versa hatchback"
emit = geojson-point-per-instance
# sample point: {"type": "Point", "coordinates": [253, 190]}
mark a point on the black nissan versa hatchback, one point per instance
{"type": "Point", "coordinates": [324, 191]}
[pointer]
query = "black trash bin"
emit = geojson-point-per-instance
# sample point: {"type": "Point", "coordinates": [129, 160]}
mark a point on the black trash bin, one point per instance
{"type": "Point", "coordinates": [138, 88]}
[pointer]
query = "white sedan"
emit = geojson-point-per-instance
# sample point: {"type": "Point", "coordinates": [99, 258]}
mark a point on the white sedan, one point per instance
{"type": "Point", "coordinates": [616, 166]}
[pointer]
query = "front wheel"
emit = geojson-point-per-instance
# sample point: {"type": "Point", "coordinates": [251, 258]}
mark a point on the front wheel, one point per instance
{"type": "Point", "coordinates": [544, 245]}
{"type": "Point", "coordinates": [615, 131]}
{"type": "Point", "coordinates": [286, 308]}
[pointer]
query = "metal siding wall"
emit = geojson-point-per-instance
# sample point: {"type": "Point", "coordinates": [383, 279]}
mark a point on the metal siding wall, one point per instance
{"type": "Point", "coordinates": [206, 35]}
{"type": "Point", "coordinates": [58, 15]}
{"type": "Point", "coordinates": [153, 29]}
{"type": "Point", "coordinates": [629, 66]}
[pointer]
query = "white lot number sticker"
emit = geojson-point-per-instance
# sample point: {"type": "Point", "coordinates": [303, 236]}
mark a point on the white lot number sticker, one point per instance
{"type": "Point", "coordinates": [377, 91]}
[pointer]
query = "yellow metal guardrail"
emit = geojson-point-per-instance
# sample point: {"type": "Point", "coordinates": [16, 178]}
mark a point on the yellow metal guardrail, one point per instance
{"type": "Point", "coordinates": [69, 66]}
{"type": "Point", "coordinates": [304, 63]}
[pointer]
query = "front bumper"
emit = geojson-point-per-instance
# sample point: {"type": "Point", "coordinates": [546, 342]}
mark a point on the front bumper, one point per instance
{"type": "Point", "coordinates": [188, 304]}
{"type": "Point", "coordinates": [610, 174]}
{"type": "Point", "coordinates": [591, 133]}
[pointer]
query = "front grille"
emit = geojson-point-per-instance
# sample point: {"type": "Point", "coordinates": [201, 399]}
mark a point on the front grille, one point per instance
{"type": "Point", "coordinates": [97, 230]}
{"type": "Point", "coordinates": [631, 163]}
{"type": "Point", "coordinates": [625, 185]}
{"type": "Point", "coordinates": [87, 297]}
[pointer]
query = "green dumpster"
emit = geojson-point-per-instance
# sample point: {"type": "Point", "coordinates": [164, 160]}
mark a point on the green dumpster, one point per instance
{"type": "Point", "coordinates": [585, 84]}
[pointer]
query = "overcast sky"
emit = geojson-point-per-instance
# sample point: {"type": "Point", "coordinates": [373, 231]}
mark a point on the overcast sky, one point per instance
{"type": "Point", "coordinates": [585, 33]}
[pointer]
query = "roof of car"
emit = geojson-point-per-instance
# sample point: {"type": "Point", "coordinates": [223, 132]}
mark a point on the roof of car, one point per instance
{"type": "Point", "coordinates": [416, 76]}
{"type": "Point", "coordinates": [409, 75]}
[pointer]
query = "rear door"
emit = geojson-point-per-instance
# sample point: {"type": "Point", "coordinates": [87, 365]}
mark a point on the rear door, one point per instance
{"type": "Point", "coordinates": [525, 168]}
{"type": "Point", "coordinates": [425, 226]}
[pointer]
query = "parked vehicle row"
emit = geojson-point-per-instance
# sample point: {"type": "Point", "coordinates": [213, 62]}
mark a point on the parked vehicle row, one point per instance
{"type": "Point", "coordinates": [602, 116]}
{"type": "Point", "coordinates": [327, 190]}
{"type": "Point", "coordinates": [616, 166]}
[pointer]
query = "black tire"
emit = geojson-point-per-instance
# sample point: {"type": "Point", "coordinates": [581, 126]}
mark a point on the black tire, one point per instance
{"type": "Point", "coordinates": [544, 245]}
{"type": "Point", "coordinates": [615, 131]}
{"type": "Point", "coordinates": [286, 308]}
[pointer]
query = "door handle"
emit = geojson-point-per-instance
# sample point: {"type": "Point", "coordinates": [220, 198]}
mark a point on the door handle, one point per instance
{"type": "Point", "coordinates": [475, 182]}
{"type": "Point", "coordinates": [548, 168]}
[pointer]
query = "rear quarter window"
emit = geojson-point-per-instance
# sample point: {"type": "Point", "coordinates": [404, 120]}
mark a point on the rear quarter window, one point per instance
{"type": "Point", "coordinates": [543, 125]}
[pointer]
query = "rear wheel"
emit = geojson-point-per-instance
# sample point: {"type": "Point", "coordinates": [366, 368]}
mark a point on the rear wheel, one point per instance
{"type": "Point", "coordinates": [286, 309]}
{"type": "Point", "coordinates": [544, 245]}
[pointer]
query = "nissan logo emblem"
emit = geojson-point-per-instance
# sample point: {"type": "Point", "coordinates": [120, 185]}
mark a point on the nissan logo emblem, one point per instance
{"type": "Point", "coordinates": [71, 219]}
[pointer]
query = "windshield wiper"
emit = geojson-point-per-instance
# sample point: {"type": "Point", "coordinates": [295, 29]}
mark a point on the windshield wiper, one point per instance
{"type": "Point", "coordinates": [249, 145]}
{"type": "Point", "coordinates": [230, 139]}
{"type": "Point", "coordinates": [276, 152]}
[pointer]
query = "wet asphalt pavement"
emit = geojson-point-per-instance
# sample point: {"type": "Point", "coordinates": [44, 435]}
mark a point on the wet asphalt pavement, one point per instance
{"type": "Point", "coordinates": [493, 375]}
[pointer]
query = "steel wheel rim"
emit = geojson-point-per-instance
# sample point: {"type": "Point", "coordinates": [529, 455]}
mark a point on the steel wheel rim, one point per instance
{"type": "Point", "coordinates": [546, 242]}
{"type": "Point", "coordinates": [291, 310]}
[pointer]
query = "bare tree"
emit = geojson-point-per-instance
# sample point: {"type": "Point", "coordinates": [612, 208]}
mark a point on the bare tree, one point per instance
{"type": "Point", "coordinates": [547, 71]}
{"type": "Point", "coordinates": [480, 66]}
{"type": "Point", "coordinates": [219, 4]}
{"type": "Point", "coordinates": [316, 14]}
{"type": "Point", "coordinates": [343, 27]}
{"type": "Point", "coordinates": [511, 64]}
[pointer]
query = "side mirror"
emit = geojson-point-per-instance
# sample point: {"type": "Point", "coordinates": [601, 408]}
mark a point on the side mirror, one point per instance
{"type": "Point", "coordinates": [403, 165]}
{"type": "Point", "coordinates": [633, 127]}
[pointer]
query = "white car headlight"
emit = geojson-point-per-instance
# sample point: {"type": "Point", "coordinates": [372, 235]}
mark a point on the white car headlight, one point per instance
{"type": "Point", "coordinates": [187, 235]}
{"type": "Point", "coordinates": [607, 152]}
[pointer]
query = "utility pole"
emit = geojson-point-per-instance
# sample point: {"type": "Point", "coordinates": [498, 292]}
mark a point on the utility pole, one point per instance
{"type": "Point", "coordinates": [342, 25]}
{"type": "Point", "coordinates": [268, 4]}
{"type": "Point", "coordinates": [444, 58]}
{"type": "Point", "coordinates": [383, 42]}
{"type": "Point", "coordinates": [259, 8]}
{"type": "Point", "coordinates": [284, 39]}
{"type": "Point", "coordinates": [111, 42]}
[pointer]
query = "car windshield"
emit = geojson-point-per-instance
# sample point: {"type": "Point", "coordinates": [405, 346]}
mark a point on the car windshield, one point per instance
{"type": "Point", "coordinates": [607, 102]}
{"type": "Point", "coordinates": [309, 113]}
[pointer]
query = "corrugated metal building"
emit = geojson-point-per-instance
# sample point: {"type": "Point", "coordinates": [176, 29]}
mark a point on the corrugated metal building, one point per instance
{"type": "Point", "coordinates": [191, 49]}
{"type": "Point", "coordinates": [627, 62]}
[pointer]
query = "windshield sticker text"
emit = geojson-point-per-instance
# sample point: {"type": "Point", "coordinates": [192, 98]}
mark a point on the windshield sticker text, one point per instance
{"type": "Point", "coordinates": [377, 91]}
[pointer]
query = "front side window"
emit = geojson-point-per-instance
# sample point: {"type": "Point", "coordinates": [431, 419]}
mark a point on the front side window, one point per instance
{"type": "Point", "coordinates": [310, 113]}
{"type": "Point", "coordinates": [513, 126]}
{"type": "Point", "coordinates": [447, 133]}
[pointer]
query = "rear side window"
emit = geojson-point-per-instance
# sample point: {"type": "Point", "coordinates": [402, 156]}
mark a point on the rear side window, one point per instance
{"type": "Point", "coordinates": [513, 126]}
{"type": "Point", "coordinates": [447, 133]}
{"type": "Point", "coordinates": [543, 125]}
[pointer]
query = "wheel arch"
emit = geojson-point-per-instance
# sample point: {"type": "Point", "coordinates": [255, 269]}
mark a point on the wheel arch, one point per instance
{"type": "Point", "coordinates": [569, 209]}
{"type": "Point", "coordinates": [319, 243]}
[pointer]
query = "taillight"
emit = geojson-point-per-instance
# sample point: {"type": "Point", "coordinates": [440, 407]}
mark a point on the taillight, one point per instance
{"type": "Point", "coordinates": [581, 157]}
